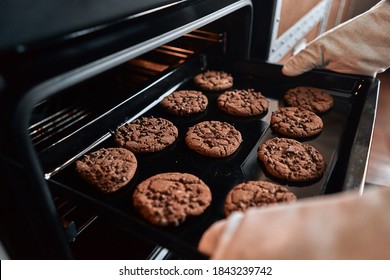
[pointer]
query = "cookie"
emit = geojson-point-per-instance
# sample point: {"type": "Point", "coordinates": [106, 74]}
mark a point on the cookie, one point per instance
{"type": "Point", "coordinates": [213, 80]}
{"type": "Point", "coordinates": [309, 98]}
{"type": "Point", "coordinates": [242, 102]}
{"type": "Point", "coordinates": [185, 102]}
{"type": "Point", "coordinates": [108, 169]}
{"type": "Point", "coordinates": [290, 160]}
{"type": "Point", "coordinates": [296, 122]}
{"type": "Point", "coordinates": [213, 138]}
{"type": "Point", "coordinates": [256, 194]}
{"type": "Point", "coordinates": [146, 135]}
{"type": "Point", "coordinates": [169, 198]}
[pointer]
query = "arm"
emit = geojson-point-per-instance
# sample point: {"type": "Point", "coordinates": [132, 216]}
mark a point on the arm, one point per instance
{"type": "Point", "coordinates": [358, 46]}
{"type": "Point", "coordinates": [339, 226]}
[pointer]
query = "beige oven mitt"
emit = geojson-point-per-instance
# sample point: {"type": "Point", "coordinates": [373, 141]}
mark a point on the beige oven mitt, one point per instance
{"type": "Point", "coordinates": [358, 46]}
{"type": "Point", "coordinates": [338, 226]}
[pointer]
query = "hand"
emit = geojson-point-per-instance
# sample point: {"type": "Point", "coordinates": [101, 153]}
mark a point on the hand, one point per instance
{"type": "Point", "coordinates": [358, 46]}
{"type": "Point", "coordinates": [339, 226]}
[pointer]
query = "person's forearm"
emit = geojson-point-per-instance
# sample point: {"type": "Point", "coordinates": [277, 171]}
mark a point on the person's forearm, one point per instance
{"type": "Point", "coordinates": [340, 226]}
{"type": "Point", "coordinates": [358, 46]}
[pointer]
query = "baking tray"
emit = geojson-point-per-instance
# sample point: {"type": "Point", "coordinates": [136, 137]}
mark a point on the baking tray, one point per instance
{"type": "Point", "coordinates": [222, 174]}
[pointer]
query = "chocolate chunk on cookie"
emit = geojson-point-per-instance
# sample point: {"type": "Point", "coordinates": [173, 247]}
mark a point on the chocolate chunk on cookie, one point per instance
{"type": "Point", "coordinates": [309, 98]}
{"type": "Point", "coordinates": [169, 198]}
{"type": "Point", "coordinates": [213, 138]}
{"type": "Point", "coordinates": [256, 194]}
{"type": "Point", "coordinates": [185, 102]}
{"type": "Point", "coordinates": [146, 135]}
{"type": "Point", "coordinates": [290, 160]}
{"type": "Point", "coordinates": [242, 102]}
{"type": "Point", "coordinates": [296, 122]}
{"type": "Point", "coordinates": [213, 80]}
{"type": "Point", "coordinates": [108, 169]}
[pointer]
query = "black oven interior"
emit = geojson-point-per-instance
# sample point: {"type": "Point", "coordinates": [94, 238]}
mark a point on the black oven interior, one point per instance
{"type": "Point", "coordinates": [65, 97]}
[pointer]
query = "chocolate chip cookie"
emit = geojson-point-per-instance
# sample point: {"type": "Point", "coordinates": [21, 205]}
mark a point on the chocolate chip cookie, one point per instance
{"type": "Point", "coordinates": [169, 198]}
{"type": "Point", "coordinates": [309, 98]}
{"type": "Point", "coordinates": [213, 80]}
{"type": "Point", "coordinates": [185, 102]}
{"type": "Point", "coordinates": [242, 102]}
{"type": "Point", "coordinates": [213, 138]}
{"type": "Point", "coordinates": [296, 122]}
{"type": "Point", "coordinates": [108, 169]}
{"type": "Point", "coordinates": [256, 194]}
{"type": "Point", "coordinates": [146, 135]}
{"type": "Point", "coordinates": [290, 160]}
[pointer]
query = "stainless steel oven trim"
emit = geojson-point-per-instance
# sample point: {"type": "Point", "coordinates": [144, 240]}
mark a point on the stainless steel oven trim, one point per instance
{"type": "Point", "coordinates": [360, 151]}
{"type": "Point", "coordinates": [140, 14]}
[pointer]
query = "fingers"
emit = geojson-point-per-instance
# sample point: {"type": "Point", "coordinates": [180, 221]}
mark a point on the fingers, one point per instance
{"type": "Point", "coordinates": [219, 234]}
{"type": "Point", "coordinates": [304, 61]}
{"type": "Point", "coordinates": [209, 241]}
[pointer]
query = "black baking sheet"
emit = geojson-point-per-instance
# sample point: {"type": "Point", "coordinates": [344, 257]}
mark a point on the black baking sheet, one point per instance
{"type": "Point", "coordinates": [220, 174]}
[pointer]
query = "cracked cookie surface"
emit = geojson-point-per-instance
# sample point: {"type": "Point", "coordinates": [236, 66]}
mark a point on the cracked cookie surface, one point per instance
{"type": "Point", "coordinates": [185, 102]}
{"type": "Point", "coordinates": [296, 122]}
{"type": "Point", "coordinates": [256, 194]}
{"type": "Point", "coordinates": [242, 102]}
{"type": "Point", "coordinates": [146, 135]}
{"type": "Point", "coordinates": [108, 169]}
{"type": "Point", "coordinates": [169, 198]}
{"type": "Point", "coordinates": [213, 138]}
{"type": "Point", "coordinates": [309, 98]}
{"type": "Point", "coordinates": [290, 160]}
{"type": "Point", "coordinates": [211, 80]}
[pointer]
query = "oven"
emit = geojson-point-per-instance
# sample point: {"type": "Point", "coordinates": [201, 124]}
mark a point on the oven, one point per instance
{"type": "Point", "coordinates": [66, 85]}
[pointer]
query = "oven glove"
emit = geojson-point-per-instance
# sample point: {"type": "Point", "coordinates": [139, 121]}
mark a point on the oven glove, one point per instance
{"type": "Point", "coordinates": [359, 46]}
{"type": "Point", "coordinates": [338, 226]}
